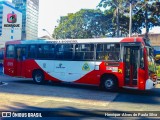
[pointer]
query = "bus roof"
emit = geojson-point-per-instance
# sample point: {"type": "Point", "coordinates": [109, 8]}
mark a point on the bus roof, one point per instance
{"type": "Point", "coordinates": [91, 40]}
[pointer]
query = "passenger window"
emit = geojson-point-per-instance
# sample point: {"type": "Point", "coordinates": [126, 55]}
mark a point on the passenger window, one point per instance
{"type": "Point", "coordinates": [10, 51]}
{"type": "Point", "coordinates": [32, 51]}
{"type": "Point", "coordinates": [108, 52]}
{"type": "Point", "coordinates": [84, 52]}
{"type": "Point", "coordinates": [45, 51]}
{"type": "Point", "coordinates": [64, 51]}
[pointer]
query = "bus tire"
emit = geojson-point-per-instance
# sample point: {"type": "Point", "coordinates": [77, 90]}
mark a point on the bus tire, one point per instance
{"type": "Point", "coordinates": [38, 77]}
{"type": "Point", "coordinates": [109, 83]}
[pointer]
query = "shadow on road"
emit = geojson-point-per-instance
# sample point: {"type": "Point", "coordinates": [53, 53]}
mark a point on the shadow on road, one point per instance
{"type": "Point", "coordinates": [153, 92]}
{"type": "Point", "coordinates": [66, 90]}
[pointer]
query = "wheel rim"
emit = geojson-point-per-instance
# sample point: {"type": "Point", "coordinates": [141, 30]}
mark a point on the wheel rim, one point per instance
{"type": "Point", "coordinates": [108, 83]}
{"type": "Point", "coordinates": [38, 78]}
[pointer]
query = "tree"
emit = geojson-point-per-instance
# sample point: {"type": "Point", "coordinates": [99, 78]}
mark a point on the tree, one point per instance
{"type": "Point", "coordinates": [119, 21]}
{"type": "Point", "coordinates": [146, 14]}
{"type": "Point", "coordinates": [113, 21]}
{"type": "Point", "coordinates": [86, 23]}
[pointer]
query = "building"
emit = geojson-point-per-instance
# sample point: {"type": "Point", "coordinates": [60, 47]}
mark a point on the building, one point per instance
{"type": "Point", "coordinates": [154, 38]}
{"type": "Point", "coordinates": [10, 22]}
{"type": "Point", "coordinates": [30, 12]}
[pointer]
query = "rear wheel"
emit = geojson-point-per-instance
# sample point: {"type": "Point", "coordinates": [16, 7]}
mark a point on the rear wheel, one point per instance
{"type": "Point", "coordinates": [109, 83]}
{"type": "Point", "coordinates": [38, 77]}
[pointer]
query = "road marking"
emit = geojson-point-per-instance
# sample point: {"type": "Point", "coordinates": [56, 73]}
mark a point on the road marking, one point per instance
{"type": "Point", "coordinates": [3, 83]}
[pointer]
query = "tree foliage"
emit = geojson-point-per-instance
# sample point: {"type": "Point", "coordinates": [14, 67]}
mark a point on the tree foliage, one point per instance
{"type": "Point", "coordinates": [144, 12]}
{"type": "Point", "coordinates": [88, 23]}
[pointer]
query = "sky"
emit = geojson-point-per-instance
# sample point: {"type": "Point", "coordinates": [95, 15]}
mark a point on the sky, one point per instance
{"type": "Point", "coordinates": [51, 10]}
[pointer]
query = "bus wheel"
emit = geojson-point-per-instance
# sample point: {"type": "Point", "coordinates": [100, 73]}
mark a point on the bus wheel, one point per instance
{"type": "Point", "coordinates": [109, 83]}
{"type": "Point", "coordinates": [38, 77]}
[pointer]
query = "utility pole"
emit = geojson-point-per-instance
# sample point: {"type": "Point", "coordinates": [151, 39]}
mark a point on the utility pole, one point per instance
{"type": "Point", "coordinates": [130, 19]}
{"type": "Point", "coordinates": [146, 21]}
{"type": "Point", "coordinates": [117, 14]}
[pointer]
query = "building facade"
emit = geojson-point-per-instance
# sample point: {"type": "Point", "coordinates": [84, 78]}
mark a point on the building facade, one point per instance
{"type": "Point", "coordinates": [154, 38]}
{"type": "Point", "coordinates": [10, 23]}
{"type": "Point", "coordinates": [30, 13]}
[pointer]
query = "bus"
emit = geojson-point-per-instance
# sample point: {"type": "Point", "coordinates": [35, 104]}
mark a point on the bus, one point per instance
{"type": "Point", "coordinates": [110, 63]}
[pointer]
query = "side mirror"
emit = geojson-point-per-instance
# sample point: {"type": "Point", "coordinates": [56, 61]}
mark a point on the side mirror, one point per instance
{"type": "Point", "coordinates": [142, 63]}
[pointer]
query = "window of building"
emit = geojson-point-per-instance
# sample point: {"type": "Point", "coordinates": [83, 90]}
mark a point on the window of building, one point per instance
{"type": "Point", "coordinates": [12, 31]}
{"type": "Point", "coordinates": [11, 37]}
{"type": "Point", "coordinates": [84, 52]}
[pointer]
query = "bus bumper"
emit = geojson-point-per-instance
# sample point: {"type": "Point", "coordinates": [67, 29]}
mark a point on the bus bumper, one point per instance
{"type": "Point", "coordinates": [150, 84]}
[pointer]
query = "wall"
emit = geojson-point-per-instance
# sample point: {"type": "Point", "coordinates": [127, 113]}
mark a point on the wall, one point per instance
{"type": "Point", "coordinates": [154, 37]}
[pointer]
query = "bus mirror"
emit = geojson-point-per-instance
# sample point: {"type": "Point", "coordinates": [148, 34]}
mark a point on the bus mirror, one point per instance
{"type": "Point", "coordinates": [142, 63]}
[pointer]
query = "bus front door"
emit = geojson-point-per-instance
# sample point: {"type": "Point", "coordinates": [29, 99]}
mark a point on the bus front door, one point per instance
{"type": "Point", "coordinates": [131, 63]}
{"type": "Point", "coordinates": [20, 61]}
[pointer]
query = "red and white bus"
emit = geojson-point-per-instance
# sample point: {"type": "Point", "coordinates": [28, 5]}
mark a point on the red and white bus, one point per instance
{"type": "Point", "coordinates": [111, 63]}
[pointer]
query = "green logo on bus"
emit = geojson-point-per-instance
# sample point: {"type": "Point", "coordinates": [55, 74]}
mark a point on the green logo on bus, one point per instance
{"type": "Point", "coordinates": [86, 67]}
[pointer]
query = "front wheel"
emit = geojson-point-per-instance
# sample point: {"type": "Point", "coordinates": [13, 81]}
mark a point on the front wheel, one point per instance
{"type": "Point", "coordinates": [109, 83]}
{"type": "Point", "coordinates": [38, 77]}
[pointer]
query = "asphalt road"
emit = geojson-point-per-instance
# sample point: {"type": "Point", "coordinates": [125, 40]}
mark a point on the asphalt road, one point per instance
{"type": "Point", "coordinates": [24, 95]}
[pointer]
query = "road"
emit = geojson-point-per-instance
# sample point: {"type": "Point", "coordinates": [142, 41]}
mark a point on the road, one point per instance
{"type": "Point", "coordinates": [23, 95]}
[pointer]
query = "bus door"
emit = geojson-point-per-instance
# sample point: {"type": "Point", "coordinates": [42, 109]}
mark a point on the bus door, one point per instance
{"type": "Point", "coordinates": [20, 61]}
{"type": "Point", "coordinates": [131, 64]}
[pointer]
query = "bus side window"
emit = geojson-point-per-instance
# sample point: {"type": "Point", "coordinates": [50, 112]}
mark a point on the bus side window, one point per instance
{"type": "Point", "coordinates": [10, 51]}
{"type": "Point", "coordinates": [52, 52]}
{"type": "Point", "coordinates": [84, 52]}
{"type": "Point", "coordinates": [59, 51]}
{"type": "Point", "coordinates": [68, 52]}
{"type": "Point", "coordinates": [40, 51]}
{"type": "Point", "coordinates": [108, 52]}
{"type": "Point", "coordinates": [32, 51]}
